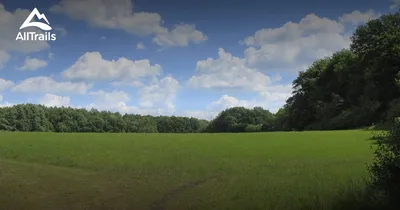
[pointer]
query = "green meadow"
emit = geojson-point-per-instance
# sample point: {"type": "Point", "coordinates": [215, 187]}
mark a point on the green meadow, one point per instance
{"type": "Point", "coordinates": [279, 170]}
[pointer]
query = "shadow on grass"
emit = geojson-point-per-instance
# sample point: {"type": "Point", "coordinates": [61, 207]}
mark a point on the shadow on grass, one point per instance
{"type": "Point", "coordinates": [359, 195]}
{"type": "Point", "coordinates": [367, 197]}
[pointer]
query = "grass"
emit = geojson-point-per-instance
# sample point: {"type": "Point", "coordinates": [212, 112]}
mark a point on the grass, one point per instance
{"type": "Point", "coordinates": [294, 170]}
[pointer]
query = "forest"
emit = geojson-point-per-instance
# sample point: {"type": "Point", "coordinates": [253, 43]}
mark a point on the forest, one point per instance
{"type": "Point", "coordinates": [353, 88]}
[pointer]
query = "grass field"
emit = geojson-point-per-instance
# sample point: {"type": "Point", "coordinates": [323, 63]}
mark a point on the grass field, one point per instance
{"type": "Point", "coordinates": [293, 170]}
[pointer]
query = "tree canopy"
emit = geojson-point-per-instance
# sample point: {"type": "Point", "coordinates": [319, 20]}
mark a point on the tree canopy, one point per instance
{"type": "Point", "coordinates": [30, 117]}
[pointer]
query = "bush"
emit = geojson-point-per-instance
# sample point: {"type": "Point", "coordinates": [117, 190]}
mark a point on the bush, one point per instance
{"type": "Point", "coordinates": [385, 168]}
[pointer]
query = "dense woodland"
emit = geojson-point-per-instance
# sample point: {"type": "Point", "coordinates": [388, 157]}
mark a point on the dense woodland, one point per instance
{"type": "Point", "coordinates": [353, 88]}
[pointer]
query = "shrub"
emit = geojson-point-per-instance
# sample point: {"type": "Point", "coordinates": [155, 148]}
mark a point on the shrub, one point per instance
{"type": "Point", "coordinates": [385, 168]}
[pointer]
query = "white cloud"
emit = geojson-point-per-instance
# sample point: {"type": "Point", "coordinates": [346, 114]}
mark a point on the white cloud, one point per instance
{"type": "Point", "coordinates": [181, 35]}
{"type": "Point", "coordinates": [277, 93]}
{"type": "Point", "coordinates": [226, 102]}
{"type": "Point", "coordinates": [62, 31]}
{"type": "Point", "coordinates": [273, 98]}
{"type": "Point", "coordinates": [118, 14]}
{"type": "Point", "coordinates": [291, 31]}
{"type": "Point", "coordinates": [52, 100]}
{"type": "Point", "coordinates": [161, 94]}
{"type": "Point", "coordinates": [5, 84]}
{"type": "Point", "coordinates": [294, 46]}
{"type": "Point", "coordinates": [395, 4]}
{"type": "Point", "coordinates": [1, 98]}
{"type": "Point", "coordinates": [113, 14]}
{"type": "Point", "coordinates": [140, 46]}
{"type": "Point", "coordinates": [49, 85]}
{"type": "Point", "coordinates": [32, 64]}
{"type": "Point", "coordinates": [9, 24]}
{"type": "Point", "coordinates": [357, 17]}
{"type": "Point", "coordinates": [114, 101]}
{"type": "Point", "coordinates": [123, 108]}
{"type": "Point", "coordinates": [117, 101]}
{"type": "Point", "coordinates": [91, 66]}
{"type": "Point", "coordinates": [135, 83]}
{"type": "Point", "coordinates": [227, 71]}
{"type": "Point", "coordinates": [215, 107]}
{"type": "Point", "coordinates": [106, 98]}
{"type": "Point", "coordinates": [200, 114]}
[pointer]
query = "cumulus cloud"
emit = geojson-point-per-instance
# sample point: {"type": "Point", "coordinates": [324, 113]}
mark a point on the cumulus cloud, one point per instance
{"type": "Point", "coordinates": [291, 31]}
{"type": "Point", "coordinates": [52, 100]}
{"type": "Point", "coordinates": [32, 64]}
{"type": "Point", "coordinates": [156, 99]}
{"type": "Point", "coordinates": [226, 102]}
{"type": "Point", "coordinates": [9, 24]}
{"type": "Point", "coordinates": [102, 97]}
{"type": "Point", "coordinates": [271, 99]}
{"type": "Point", "coordinates": [119, 14]}
{"type": "Point", "coordinates": [294, 46]}
{"type": "Point", "coordinates": [113, 14]}
{"type": "Point", "coordinates": [49, 85]}
{"type": "Point", "coordinates": [5, 84]}
{"type": "Point", "coordinates": [215, 107]}
{"type": "Point", "coordinates": [357, 17]}
{"type": "Point", "coordinates": [277, 93]}
{"type": "Point", "coordinates": [227, 71]}
{"type": "Point", "coordinates": [124, 108]}
{"type": "Point", "coordinates": [91, 66]}
{"type": "Point", "coordinates": [181, 35]}
{"type": "Point", "coordinates": [200, 114]}
{"type": "Point", "coordinates": [114, 101]}
{"type": "Point", "coordinates": [160, 94]}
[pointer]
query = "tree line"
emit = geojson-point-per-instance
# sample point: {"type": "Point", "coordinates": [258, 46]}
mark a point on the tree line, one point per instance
{"type": "Point", "coordinates": [38, 118]}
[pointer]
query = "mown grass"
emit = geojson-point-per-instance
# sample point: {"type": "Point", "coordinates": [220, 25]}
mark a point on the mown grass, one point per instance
{"type": "Point", "coordinates": [294, 170]}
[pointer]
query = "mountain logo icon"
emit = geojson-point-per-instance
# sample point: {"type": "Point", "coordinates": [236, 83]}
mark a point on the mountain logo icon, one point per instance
{"type": "Point", "coordinates": [35, 13]}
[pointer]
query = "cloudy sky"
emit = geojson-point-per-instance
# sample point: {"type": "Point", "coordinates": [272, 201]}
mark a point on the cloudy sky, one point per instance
{"type": "Point", "coordinates": [186, 58]}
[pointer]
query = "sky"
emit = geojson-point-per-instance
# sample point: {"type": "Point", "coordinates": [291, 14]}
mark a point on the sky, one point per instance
{"type": "Point", "coordinates": [182, 58]}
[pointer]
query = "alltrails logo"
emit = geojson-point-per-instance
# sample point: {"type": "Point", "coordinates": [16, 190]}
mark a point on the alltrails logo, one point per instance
{"type": "Point", "coordinates": [33, 36]}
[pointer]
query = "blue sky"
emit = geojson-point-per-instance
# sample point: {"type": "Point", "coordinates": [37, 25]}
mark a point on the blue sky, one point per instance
{"type": "Point", "coordinates": [187, 58]}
